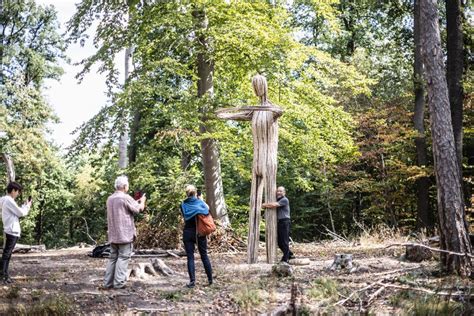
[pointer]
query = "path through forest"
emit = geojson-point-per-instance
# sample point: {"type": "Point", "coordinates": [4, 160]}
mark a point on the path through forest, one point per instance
{"type": "Point", "coordinates": [68, 281]}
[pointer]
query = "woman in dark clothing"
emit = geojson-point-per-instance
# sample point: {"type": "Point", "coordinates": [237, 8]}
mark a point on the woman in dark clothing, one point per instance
{"type": "Point", "coordinates": [191, 207]}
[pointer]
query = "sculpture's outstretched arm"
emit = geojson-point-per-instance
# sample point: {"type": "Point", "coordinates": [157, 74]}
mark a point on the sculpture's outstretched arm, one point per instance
{"type": "Point", "coordinates": [245, 113]}
{"type": "Point", "coordinates": [237, 114]}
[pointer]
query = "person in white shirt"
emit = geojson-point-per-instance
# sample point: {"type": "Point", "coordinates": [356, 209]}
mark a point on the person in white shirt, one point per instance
{"type": "Point", "coordinates": [11, 214]}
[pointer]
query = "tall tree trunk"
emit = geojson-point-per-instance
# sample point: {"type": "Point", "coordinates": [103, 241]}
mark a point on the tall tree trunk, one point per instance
{"type": "Point", "coordinates": [453, 233]}
{"type": "Point", "coordinates": [123, 141]}
{"type": "Point", "coordinates": [2, 39]}
{"type": "Point", "coordinates": [454, 71]}
{"type": "Point", "coordinates": [424, 217]}
{"type": "Point", "coordinates": [347, 6]}
{"type": "Point", "coordinates": [209, 151]}
{"type": "Point", "coordinates": [39, 224]}
{"type": "Point", "coordinates": [9, 166]}
{"type": "Point", "coordinates": [132, 153]}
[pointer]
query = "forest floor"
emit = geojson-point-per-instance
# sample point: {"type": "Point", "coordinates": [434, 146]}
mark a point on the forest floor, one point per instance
{"type": "Point", "coordinates": [68, 281]}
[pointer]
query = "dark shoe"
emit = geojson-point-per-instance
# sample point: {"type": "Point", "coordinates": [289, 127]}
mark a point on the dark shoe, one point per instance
{"type": "Point", "coordinates": [7, 280]}
{"type": "Point", "coordinates": [123, 287]}
{"type": "Point", "coordinates": [190, 285]}
{"type": "Point", "coordinates": [292, 256]}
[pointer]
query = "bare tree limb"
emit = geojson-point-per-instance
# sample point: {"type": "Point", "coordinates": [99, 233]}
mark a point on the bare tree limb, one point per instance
{"type": "Point", "coordinates": [342, 302]}
{"type": "Point", "coordinates": [87, 231]}
{"type": "Point", "coordinates": [375, 294]}
{"type": "Point", "coordinates": [432, 249]}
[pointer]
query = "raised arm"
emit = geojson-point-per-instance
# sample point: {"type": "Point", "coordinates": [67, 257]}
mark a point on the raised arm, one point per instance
{"type": "Point", "coordinates": [136, 206]}
{"type": "Point", "coordinates": [15, 209]}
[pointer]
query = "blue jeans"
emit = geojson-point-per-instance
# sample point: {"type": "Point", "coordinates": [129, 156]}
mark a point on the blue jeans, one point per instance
{"type": "Point", "coordinates": [189, 240]}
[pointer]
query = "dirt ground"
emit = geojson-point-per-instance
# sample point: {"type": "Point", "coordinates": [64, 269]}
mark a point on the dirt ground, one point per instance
{"type": "Point", "coordinates": [68, 281]}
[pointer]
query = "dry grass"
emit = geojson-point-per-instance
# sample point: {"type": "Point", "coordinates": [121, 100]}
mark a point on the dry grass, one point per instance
{"type": "Point", "coordinates": [381, 235]}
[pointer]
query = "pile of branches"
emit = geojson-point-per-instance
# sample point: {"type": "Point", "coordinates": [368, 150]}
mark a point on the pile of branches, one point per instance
{"type": "Point", "coordinates": [157, 235]}
{"type": "Point", "coordinates": [225, 240]}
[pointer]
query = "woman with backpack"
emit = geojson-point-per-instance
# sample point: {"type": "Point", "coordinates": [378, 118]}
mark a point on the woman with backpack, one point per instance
{"type": "Point", "coordinates": [191, 207]}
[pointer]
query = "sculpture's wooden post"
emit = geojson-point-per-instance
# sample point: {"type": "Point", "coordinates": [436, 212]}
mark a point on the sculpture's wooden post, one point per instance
{"type": "Point", "coordinates": [264, 168]}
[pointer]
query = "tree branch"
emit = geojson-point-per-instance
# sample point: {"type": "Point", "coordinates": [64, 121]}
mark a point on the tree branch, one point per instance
{"type": "Point", "coordinates": [432, 249]}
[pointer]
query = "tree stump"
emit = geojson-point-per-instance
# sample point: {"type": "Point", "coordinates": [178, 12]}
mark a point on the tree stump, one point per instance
{"type": "Point", "coordinates": [142, 270]}
{"type": "Point", "coordinates": [160, 266]}
{"type": "Point", "coordinates": [282, 269]}
{"type": "Point", "coordinates": [342, 261]}
{"type": "Point", "coordinates": [417, 254]}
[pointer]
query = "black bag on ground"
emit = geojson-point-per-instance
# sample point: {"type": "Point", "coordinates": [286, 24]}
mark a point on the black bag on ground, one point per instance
{"type": "Point", "coordinates": [100, 251]}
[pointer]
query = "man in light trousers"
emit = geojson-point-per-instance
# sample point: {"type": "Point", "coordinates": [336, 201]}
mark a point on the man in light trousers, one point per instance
{"type": "Point", "coordinates": [121, 232]}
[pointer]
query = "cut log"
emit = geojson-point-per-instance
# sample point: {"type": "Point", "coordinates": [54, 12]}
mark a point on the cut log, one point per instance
{"type": "Point", "coordinates": [20, 248]}
{"type": "Point", "coordinates": [300, 262]}
{"type": "Point", "coordinates": [161, 267]}
{"type": "Point", "coordinates": [159, 253]}
{"type": "Point", "coordinates": [281, 310]}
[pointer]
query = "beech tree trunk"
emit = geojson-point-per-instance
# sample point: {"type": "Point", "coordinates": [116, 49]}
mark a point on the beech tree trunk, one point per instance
{"type": "Point", "coordinates": [133, 148]}
{"type": "Point", "coordinates": [209, 151]}
{"type": "Point", "coordinates": [424, 217]}
{"type": "Point", "coordinates": [454, 71]}
{"type": "Point", "coordinates": [453, 234]}
{"type": "Point", "coordinates": [123, 141]}
{"type": "Point", "coordinates": [2, 37]}
{"type": "Point", "coordinates": [10, 167]}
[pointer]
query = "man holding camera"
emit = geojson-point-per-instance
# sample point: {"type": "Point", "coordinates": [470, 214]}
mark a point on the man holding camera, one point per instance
{"type": "Point", "coordinates": [11, 214]}
{"type": "Point", "coordinates": [121, 232]}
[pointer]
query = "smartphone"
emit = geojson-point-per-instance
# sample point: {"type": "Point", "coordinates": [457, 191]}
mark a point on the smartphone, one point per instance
{"type": "Point", "coordinates": [198, 193]}
{"type": "Point", "coordinates": [30, 198]}
{"type": "Point", "coordinates": [137, 195]}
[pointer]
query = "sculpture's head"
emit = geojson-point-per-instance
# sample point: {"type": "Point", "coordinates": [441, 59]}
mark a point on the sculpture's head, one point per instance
{"type": "Point", "coordinates": [260, 87]}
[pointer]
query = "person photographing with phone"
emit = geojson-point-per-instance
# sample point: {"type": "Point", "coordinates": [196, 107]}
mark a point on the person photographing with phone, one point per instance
{"type": "Point", "coordinates": [191, 207]}
{"type": "Point", "coordinates": [121, 208]}
{"type": "Point", "coordinates": [11, 214]}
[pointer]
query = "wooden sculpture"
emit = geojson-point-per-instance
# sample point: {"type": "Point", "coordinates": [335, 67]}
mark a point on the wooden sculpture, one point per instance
{"type": "Point", "coordinates": [264, 169]}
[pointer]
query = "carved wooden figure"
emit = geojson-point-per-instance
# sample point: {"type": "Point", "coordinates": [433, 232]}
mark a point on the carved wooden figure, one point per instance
{"type": "Point", "coordinates": [264, 169]}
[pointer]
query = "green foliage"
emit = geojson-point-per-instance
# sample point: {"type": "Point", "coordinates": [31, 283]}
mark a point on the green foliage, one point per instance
{"type": "Point", "coordinates": [323, 289]}
{"type": "Point", "coordinates": [341, 71]}
{"type": "Point", "coordinates": [31, 51]}
{"type": "Point", "coordinates": [412, 303]}
{"type": "Point", "coordinates": [244, 37]}
{"type": "Point", "coordinates": [53, 305]}
{"type": "Point", "coordinates": [13, 292]}
{"type": "Point", "coordinates": [172, 295]}
{"type": "Point", "coordinates": [248, 297]}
